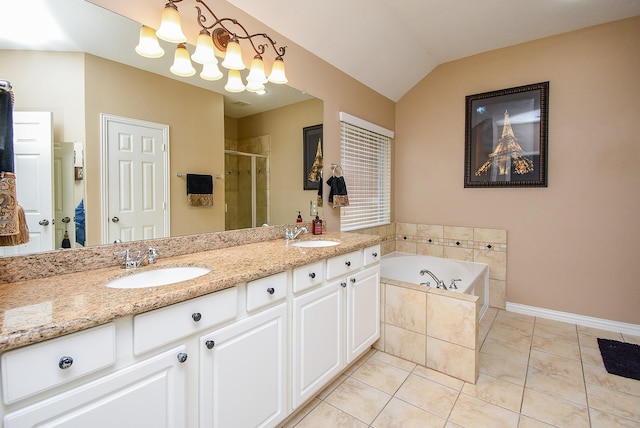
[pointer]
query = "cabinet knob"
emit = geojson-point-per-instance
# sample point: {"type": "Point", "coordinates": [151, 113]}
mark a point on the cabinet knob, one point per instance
{"type": "Point", "coordinates": [271, 290]}
{"type": "Point", "coordinates": [347, 263]}
{"type": "Point", "coordinates": [353, 280]}
{"type": "Point", "coordinates": [343, 284]}
{"type": "Point", "coordinates": [312, 275]}
{"type": "Point", "coordinates": [65, 362]}
{"type": "Point", "coordinates": [209, 344]}
{"type": "Point", "coordinates": [182, 357]}
{"type": "Point", "coordinates": [197, 316]}
{"type": "Point", "coordinates": [374, 254]}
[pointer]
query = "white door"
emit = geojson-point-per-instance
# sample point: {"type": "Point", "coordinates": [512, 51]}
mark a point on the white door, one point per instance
{"type": "Point", "coordinates": [243, 372]}
{"type": "Point", "coordinates": [135, 183]}
{"type": "Point", "coordinates": [32, 147]}
{"type": "Point", "coordinates": [63, 200]}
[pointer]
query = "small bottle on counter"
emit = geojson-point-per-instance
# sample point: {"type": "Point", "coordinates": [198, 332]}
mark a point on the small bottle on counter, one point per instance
{"type": "Point", "coordinates": [299, 219]}
{"type": "Point", "coordinates": [317, 226]}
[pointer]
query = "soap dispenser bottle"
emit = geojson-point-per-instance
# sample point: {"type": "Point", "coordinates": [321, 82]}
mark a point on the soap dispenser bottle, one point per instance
{"type": "Point", "coordinates": [317, 226]}
{"type": "Point", "coordinates": [299, 219]}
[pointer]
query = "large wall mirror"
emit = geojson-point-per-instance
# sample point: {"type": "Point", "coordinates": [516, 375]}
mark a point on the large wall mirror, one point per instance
{"type": "Point", "coordinates": [86, 66]}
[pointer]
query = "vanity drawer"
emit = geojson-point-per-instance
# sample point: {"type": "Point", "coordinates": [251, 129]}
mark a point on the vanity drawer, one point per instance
{"type": "Point", "coordinates": [35, 368]}
{"type": "Point", "coordinates": [306, 277]}
{"type": "Point", "coordinates": [342, 265]}
{"type": "Point", "coordinates": [372, 255]}
{"type": "Point", "coordinates": [165, 325]}
{"type": "Point", "coordinates": [266, 291]}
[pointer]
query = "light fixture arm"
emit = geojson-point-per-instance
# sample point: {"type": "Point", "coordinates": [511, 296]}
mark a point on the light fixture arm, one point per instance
{"type": "Point", "coordinates": [259, 50]}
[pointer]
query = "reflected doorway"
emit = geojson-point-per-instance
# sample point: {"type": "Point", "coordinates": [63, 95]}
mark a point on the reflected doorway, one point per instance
{"type": "Point", "coordinates": [246, 189]}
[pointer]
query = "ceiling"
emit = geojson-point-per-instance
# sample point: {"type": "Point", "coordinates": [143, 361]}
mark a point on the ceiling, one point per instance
{"type": "Point", "coordinates": [390, 45]}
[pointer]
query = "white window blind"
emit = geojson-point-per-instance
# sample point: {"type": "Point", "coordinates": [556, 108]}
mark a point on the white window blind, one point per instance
{"type": "Point", "coordinates": [366, 164]}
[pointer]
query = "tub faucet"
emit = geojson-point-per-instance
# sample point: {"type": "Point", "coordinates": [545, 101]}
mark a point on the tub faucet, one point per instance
{"type": "Point", "coordinates": [453, 283]}
{"type": "Point", "coordinates": [293, 234]}
{"type": "Point", "coordinates": [439, 283]}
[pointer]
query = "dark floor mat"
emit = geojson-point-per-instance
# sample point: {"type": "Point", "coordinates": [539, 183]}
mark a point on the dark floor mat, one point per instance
{"type": "Point", "coordinates": [620, 358]}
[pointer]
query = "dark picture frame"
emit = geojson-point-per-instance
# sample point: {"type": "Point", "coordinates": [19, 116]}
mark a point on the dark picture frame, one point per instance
{"type": "Point", "coordinates": [506, 137]}
{"type": "Point", "coordinates": [311, 137]}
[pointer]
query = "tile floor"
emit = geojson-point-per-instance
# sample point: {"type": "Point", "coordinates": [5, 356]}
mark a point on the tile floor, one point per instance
{"type": "Point", "coordinates": [533, 373]}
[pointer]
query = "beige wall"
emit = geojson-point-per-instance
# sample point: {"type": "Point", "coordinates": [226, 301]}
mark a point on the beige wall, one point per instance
{"type": "Point", "coordinates": [573, 245]}
{"type": "Point", "coordinates": [196, 135]}
{"type": "Point", "coordinates": [284, 125]}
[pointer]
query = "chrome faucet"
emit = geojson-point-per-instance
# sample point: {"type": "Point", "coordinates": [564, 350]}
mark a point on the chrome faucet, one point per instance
{"type": "Point", "coordinates": [453, 284]}
{"type": "Point", "coordinates": [293, 234]}
{"type": "Point", "coordinates": [439, 283]}
{"type": "Point", "coordinates": [130, 262]}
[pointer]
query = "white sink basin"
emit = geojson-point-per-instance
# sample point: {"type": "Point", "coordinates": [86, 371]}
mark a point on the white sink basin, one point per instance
{"type": "Point", "coordinates": [157, 277]}
{"type": "Point", "coordinates": [315, 243]}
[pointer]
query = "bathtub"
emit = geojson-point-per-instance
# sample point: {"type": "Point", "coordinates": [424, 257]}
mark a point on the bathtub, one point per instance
{"type": "Point", "coordinates": [405, 267]}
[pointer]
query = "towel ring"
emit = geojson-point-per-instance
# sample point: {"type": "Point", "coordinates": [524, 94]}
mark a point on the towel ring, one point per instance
{"type": "Point", "coordinates": [334, 167]}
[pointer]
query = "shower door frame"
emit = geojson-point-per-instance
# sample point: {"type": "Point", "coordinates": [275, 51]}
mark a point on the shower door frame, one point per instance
{"type": "Point", "coordinates": [253, 184]}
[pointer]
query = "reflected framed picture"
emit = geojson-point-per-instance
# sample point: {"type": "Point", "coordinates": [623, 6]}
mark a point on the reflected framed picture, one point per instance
{"type": "Point", "coordinates": [312, 157]}
{"type": "Point", "coordinates": [506, 137]}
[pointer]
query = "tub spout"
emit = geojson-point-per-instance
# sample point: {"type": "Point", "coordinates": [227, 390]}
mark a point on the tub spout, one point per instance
{"type": "Point", "coordinates": [439, 283]}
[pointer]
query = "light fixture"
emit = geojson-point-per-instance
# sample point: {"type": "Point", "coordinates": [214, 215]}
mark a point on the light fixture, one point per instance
{"type": "Point", "coordinates": [148, 45]}
{"type": "Point", "coordinates": [181, 63]}
{"type": "Point", "coordinates": [219, 36]}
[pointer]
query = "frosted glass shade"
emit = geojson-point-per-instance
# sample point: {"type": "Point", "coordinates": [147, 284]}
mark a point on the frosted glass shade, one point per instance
{"type": "Point", "coordinates": [234, 82]}
{"type": "Point", "coordinates": [277, 72]}
{"type": "Point", "coordinates": [148, 45]}
{"type": "Point", "coordinates": [181, 62]}
{"type": "Point", "coordinates": [211, 72]}
{"type": "Point", "coordinates": [170, 27]}
{"type": "Point", "coordinates": [254, 86]}
{"type": "Point", "coordinates": [233, 57]}
{"type": "Point", "coordinates": [204, 49]}
{"type": "Point", "coordinates": [256, 73]}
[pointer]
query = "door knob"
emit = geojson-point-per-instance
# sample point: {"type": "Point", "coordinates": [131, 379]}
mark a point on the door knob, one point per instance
{"type": "Point", "coordinates": [44, 222]}
{"type": "Point", "coordinates": [115, 219]}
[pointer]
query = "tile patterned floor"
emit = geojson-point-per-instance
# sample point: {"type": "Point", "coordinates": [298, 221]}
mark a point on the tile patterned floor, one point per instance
{"type": "Point", "coordinates": [533, 373]}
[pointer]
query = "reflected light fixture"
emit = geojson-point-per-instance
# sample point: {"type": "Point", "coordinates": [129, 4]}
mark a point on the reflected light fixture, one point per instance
{"type": "Point", "coordinates": [221, 36]}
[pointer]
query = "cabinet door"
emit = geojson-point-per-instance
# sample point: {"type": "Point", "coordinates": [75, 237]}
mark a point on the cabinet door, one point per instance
{"type": "Point", "coordinates": [243, 372]}
{"type": "Point", "coordinates": [147, 394]}
{"type": "Point", "coordinates": [318, 340]}
{"type": "Point", "coordinates": [363, 311]}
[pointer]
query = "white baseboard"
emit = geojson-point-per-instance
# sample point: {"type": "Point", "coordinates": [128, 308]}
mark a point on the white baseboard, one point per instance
{"type": "Point", "coordinates": [600, 323]}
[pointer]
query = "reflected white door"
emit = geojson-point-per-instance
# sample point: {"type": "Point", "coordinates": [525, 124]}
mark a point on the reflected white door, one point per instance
{"type": "Point", "coordinates": [32, 147]}
{"type": "Point", "coordinates": [135, 185]}
{"type": "Point", "coordinates": [63, 201]}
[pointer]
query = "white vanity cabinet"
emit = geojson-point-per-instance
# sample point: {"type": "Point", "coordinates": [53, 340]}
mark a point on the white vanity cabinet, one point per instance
{"type": "Point", "coordinates": [150, 393]}
{"type": "Point", "coordinates": [243, 372]}
{"type": "Point", "coordinates": [363, 311]}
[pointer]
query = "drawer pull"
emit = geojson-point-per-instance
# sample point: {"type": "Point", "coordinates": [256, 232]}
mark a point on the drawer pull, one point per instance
{"type": "Point", "coordinates": [65, 362]}
{"type": "Point", "coordinates": [312, 275]}
{"type": "Point", "coordinates": [343, 284]}
{"type": "Point", "coordinates": [209, 344]}
{"type": "Point", "coordinates": [271, 290]}
{"type": "Point", "coordinates": [347, 263]}
{"type": "Point", "coordinates": [197, 316]}
{"type": "Point", "coordinates": [353, 280]}
{"type": "Point", "coordinates": [182, 357]}
{"type": "Point", "coordinates": [374, 254]}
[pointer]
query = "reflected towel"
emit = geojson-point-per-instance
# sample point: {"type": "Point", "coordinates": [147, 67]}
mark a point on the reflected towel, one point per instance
{"type": "Point", "coordinates": [200, 190]}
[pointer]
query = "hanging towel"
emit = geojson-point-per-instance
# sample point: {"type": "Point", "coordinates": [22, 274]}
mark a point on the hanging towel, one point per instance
{"type": "Point", "coordinates": [338, 191]}
{"type": "Point", "coordinates": [200, 190]}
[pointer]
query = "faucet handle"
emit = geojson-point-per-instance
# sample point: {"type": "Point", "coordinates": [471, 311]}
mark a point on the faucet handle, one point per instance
{"type": "Point", "coordinates": [152, 255]}
{"type": "Point", "coordinates": [453, 283]}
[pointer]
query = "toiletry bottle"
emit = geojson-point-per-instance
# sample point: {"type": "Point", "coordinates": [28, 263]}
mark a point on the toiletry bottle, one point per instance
{"type": "Point", "coordinates": [299, 219]}
{"type": "Point", "coordinates": [317, 226]}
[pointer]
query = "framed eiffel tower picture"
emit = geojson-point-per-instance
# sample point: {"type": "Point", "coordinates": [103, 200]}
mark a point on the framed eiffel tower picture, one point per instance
{"type": "Point", "coordinates": [506, 136]}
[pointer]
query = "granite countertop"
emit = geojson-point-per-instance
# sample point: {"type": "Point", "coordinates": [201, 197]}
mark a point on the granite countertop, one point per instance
{"type": "Point", "coordinates": [39, 309]}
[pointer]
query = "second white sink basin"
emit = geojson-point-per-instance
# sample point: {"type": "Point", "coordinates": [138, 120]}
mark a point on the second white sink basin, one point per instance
{"type": "Point", "coordinates": [157, 277]}
{"type": "Point", "coordinates": [315, 243]}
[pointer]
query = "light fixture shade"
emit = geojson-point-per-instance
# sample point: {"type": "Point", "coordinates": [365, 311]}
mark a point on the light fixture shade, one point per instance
{"type": "Point", "coordinates": [148, 45]}
{"type": "Point", "coordinates": [204, 49]}
{"type": "Point", "coordinates": [211, 72]}
{"type": "Point", "coordinates": [234, 83]}
{"type": "Point", "coordinates": [181, 63]}
{"type": "Point", "coordinates": [170, 27]}
{"type": "Point", "coordinates": [277, 72]}
{"type": "Point", "coordinates": [254, 86]}
{"type": "Point", "coordinates": [233, 57]}
{"type": "Point", "coordinates": [256, 73]}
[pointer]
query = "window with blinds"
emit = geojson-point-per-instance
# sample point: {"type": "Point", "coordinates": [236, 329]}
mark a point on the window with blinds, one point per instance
{"type": "Point", "coordinates": [366, 164]}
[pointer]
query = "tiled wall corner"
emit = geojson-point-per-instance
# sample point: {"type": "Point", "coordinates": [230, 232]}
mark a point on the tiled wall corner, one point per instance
{"type": "Point", "coordinates": [497, 293]}
{"type": "Point", "coordinates": [453, 319]}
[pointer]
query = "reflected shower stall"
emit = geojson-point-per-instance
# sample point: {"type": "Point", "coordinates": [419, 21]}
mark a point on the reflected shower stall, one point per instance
{"type": "Point", "coordinates": [246, 189]}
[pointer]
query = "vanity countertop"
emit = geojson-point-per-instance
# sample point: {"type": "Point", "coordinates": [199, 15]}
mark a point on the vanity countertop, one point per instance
{"type": "Point", "coordinates": [40, 309]}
